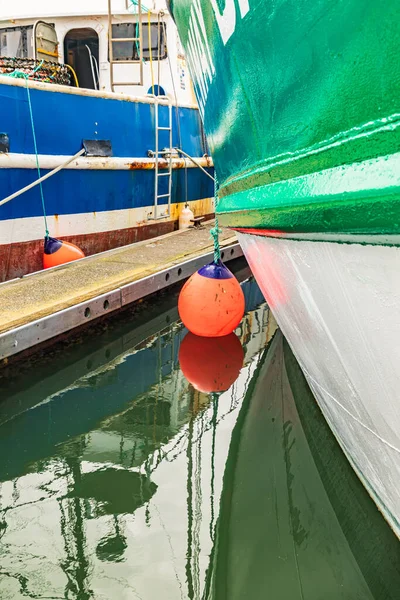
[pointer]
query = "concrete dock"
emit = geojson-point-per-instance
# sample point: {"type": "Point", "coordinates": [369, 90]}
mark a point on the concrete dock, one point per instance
{"type": "Point", "coordinates": [43, 305]}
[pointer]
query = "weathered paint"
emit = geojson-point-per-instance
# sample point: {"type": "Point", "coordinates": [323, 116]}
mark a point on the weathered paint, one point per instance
{"type": "Point", "coordinates": [97, 198]}
{"type": "Point", "coordinates": [18, 259]}
{"type": "Point", "coordinates": [290, 90]}
{"type": "Point", "coordinates": [86, 93]}
{"type": "Point", "coordinates": [78, 223]}
{"type": "Point", "coordinates": [176, 163]}
{"type": "Point", "coordinates": [127, 122]}
{"type": "Point", "coordinates": [14, 160]}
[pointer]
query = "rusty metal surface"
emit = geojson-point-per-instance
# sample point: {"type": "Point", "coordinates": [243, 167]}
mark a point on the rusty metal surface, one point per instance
{"type": "Point", "coordinates": [177, 163]}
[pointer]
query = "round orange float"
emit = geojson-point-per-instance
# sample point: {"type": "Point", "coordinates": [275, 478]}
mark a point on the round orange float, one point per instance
{"type": "Point", "coordinates": [211, 303]}
{"type": "Point", "coordinates": [211, 364]}
{"type": "Point", "coordinates": [57, 252]}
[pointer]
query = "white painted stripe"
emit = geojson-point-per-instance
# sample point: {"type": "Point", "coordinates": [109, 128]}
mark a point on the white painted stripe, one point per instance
{"type": "Point", "coordinates": [65, 89]}
{"type": "Point", "coordinates": [14, 160]}
{"type": "Point", "coordinates": [32, 228]}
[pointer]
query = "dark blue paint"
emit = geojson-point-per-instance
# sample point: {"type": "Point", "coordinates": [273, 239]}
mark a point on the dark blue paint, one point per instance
{"type": "Point", "coordinates": [157, 90]}
{"type": "Point", "coordinates": [83, 191]}
{"type": "Point", "coordinates": [62, 121]}
{"type": "Point", "coordinates": [51, 245]}
{"type": "Point", "coordinates": [215, 271]}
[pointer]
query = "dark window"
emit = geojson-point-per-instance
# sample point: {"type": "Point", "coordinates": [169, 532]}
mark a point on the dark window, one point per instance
{"type": "Point", "coordinates": [81, 52]}
{"type": "Point", "coordinates": [16, 42]}
{"type": "Point", "coordinates": [130, 50]}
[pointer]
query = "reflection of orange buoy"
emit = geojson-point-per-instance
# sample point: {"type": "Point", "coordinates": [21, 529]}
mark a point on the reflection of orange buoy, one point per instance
{"type": "Point", "coordinates": [211, 364]}
{"type": "Point", "coordinates": [211, 302]}
{"type": "Point", "coordinates": [57, 252]}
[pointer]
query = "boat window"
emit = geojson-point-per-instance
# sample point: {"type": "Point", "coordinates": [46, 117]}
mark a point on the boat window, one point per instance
{"type": "Point", "coordinates": [16, 42]}
{"type": "Point", "coordinates": [81, 52]}
{"type": "Point", "coordinates": [130, 50]}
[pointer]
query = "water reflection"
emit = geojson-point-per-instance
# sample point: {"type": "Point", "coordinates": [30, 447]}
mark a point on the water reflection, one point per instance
{"type": "Point", "coordinates": [298, 523]}
{"type": "Point", "coordinates": [211, 365]}
{"type": "Point", "coordinates": [120, 479]}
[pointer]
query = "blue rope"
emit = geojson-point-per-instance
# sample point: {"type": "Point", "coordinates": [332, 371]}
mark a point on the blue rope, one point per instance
{"type": "Point", "coordinates": [37, 159]}
{"type": "Point", "coordinates": [215, 231]}
{"type": "Point", "coordinates": [21, 74]}
{"type": "Point", "coordinates": [136, 3]}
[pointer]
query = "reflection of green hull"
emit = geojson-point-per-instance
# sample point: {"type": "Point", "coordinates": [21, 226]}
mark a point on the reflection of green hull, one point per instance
{"type": "Point", "coordinates": [294, 519]}
{"type": "Point", "coordinates": [301, 107]}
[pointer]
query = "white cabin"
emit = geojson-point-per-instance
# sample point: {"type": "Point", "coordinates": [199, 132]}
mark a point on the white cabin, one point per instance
{"type": "Point", "coordinates": [81, 40]}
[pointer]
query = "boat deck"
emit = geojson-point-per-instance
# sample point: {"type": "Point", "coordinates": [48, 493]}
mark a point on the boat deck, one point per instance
{"type": "Point", "coordinates": [43, 305]}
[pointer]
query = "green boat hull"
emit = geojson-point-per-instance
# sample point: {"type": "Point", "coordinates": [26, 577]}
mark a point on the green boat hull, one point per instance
{"type": "Point", "coordinates": [301, 106]}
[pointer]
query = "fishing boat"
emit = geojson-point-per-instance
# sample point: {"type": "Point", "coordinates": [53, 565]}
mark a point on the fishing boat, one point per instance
{"type": "Point", "coordinates": [300, 103]}
{"type": "Point", "coordinates": [100, 91]}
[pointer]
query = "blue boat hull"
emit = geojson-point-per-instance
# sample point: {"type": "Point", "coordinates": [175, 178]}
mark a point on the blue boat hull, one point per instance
{"type": "Point", "coordinates": [97, 203]}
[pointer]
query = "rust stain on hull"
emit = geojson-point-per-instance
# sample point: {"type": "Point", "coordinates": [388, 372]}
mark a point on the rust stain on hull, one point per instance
{"type": "Point", "coordinates": [18, 259]}
{"type": "Point", "coordinates": [177, 163]}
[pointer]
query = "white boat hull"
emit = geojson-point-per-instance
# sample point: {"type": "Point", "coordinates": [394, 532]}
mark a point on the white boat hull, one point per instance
{"type": "Point", "coordinates": [338, 306]}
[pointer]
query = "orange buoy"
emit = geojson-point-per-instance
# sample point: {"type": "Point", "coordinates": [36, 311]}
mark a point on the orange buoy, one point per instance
{"type": "Point", "coordinates": [211, 302]}
{"type": "Point", "coordinates": [57, 252]}
{"type": "Point", "coordinates": [211, 364]}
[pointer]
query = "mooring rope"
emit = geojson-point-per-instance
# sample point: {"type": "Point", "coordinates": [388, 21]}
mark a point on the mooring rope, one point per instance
{"type": "Point", "coordinates": [20, 74]}
{"type": "Point", "coordinates": [215, 231]}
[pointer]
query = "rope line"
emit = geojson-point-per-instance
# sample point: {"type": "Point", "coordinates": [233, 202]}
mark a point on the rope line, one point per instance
{"type": "Point", "coordinates": [47, 176]}
{"type": "Point", "coordinates": [195, 162]}
{"type": "Point", "coordinates": [21, 74]}
{"type": "Point", "coordinates": [215, 231]}
{"type": "Point", "coordinates": [151, 54]}
{"type": "Point", "coordinates": [46, 235]}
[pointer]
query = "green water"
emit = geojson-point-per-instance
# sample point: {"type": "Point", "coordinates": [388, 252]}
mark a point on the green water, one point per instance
{"type": "Point", "coordinates": [119, 480]}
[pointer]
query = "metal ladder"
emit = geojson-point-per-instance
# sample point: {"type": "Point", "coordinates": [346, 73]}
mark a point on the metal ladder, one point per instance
{"type": "Point", "coordinates": [112, 40]}
{"type": "Point", "coordinates": [162, 153]}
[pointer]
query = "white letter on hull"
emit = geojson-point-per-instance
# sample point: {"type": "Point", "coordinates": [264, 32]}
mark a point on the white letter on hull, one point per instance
{"type": "Point", "coordinates": [199, 55]}
{"type": "Point", "coordinates": [227, 20]}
